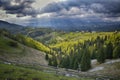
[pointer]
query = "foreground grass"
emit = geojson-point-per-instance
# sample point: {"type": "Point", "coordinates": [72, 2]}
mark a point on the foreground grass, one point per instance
{"type": "Point", "coordinates": [12, 72]}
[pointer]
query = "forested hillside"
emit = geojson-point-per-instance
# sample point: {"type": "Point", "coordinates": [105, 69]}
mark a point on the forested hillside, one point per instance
{"type": "Point", "coordinates": [78, 49]}
{"type": "Point", "coordinates": [75, 50]}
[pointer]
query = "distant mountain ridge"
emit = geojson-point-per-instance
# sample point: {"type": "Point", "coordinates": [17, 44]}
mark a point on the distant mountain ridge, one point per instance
{"type": "Point", "coordinates": [76, 24]}
{"type": "Point", "coordinates": [13, 28]}
{"type": "Point", "coordinates": [64, 25]}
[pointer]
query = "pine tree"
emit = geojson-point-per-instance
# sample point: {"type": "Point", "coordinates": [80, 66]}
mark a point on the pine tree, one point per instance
{"type": "Point", "coordinates": [46, 57]}
{"type": "Point", "coordinates": [93, 54]}
{"type": "Point", "coordinates": [50, 62]}
{"type": "Point", "coordinates": [72, 59]}
{"type": "Point", "coordinates": [65, 62]}
{"type": "Point", "coordinates": [116, 52]}
{"type": "Point", "coordinates": [109, 50]}
{"type": "Point", "coordinates": [86, 61]}
{"type": "Point", "coordinates": [100, 51]}
{"type": "Point", "coordinates": [55, 61]}
{"type": "Point", "coordinates": [75, 64]}
{"type": "Point", "coordinates": [101, 54]}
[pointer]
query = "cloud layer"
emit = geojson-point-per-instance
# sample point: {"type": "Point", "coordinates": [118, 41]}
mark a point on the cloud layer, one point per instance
{"type": "Point", "coordinates": [108, 10]}
{"type": "Point", "coordinates": [85, 7]}
{"type": "Point", "coordinates": [19, 7]}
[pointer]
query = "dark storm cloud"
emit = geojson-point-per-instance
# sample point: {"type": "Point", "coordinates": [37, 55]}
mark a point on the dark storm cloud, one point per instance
{"type": "Point", "coordinates": [52, 7]}
{"type": "Point", "coordinates": [19, 7]}
{"type": "Point", "coordinates": [109, 8]}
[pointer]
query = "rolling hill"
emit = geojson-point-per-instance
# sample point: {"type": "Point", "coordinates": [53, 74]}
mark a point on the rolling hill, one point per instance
{"type": "Point", "coordinates": [14, 52]}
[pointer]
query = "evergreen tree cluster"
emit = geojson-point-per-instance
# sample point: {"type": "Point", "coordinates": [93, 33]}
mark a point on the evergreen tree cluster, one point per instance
{"type": "Point", "coordinates": [81, 54]}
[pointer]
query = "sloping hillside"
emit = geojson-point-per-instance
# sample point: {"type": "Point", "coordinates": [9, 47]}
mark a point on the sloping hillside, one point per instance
{"type": "Point", "coordinates": [12, 51]}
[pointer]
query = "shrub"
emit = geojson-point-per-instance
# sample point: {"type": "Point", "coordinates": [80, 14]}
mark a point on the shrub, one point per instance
{"type": "Point", "coordinates": [13, 44]}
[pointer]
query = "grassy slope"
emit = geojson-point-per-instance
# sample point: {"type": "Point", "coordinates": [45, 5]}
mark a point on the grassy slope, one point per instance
{"type": "Point", "coordinates": [28, 41]}
{"type": "Point", "coordinates": [13, 72]}
{"type": "Point", "coordinates": [21, 53]}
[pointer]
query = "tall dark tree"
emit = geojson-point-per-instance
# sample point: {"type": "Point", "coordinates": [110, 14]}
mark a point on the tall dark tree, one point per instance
{"type": "Point", "coordinates": [100, 51]}
{"type": "Point", "coordinates": [109, 51]}
{"type": "Point", "coordinates": [75, 64]}
{"type": "Point", "coordinates": [46, 57]}
{"type": "Point", "coordinates": [101, 54]}
{"type": "Point", "coordinates": [116, 52]}
{"type": "Point", "coordinates": [85, 61]}
{"type": "Point", "coordinates": [65, 62]}
{"type": "Point", "coordinates": [72, 59]}
{"type": "Point", "coordinates": [93, 54]}
{"type": "Point", "coordinates": [50, 62]}
{"type": "Point", "coordinates": [55, 63]}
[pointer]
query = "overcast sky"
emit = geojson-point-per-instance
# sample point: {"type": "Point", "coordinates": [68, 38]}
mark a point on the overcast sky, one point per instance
{"type": "Point", "coordinates": [24, 11]}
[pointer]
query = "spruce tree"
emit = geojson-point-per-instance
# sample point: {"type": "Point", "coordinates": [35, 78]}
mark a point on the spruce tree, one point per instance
{"type": "Point", "coordinates": [116, 52]}
{"type": "Point", "coordinates": [71, 64]}
{"type": "Point", "coordinates": [85, 61]}
{"type": "Point", "coordinates": [101, 55]}
{"type": "Point", "coordinates": [55, 63]}
{"type": "Point", "coordinates": [75, 64]}
{"type": "Point", "coordinates": [50, 62]}
{"type": "Point", "coordinates": [46, 57]}
{"type": "Point", "coordinates": [109, 50]}
{"type": "Point", "coordinates": [93, 54]}
{"type": "Point", "coordinates": [65, 62]}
